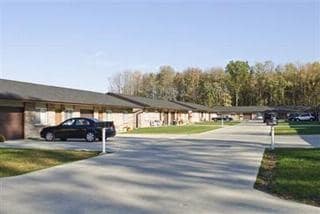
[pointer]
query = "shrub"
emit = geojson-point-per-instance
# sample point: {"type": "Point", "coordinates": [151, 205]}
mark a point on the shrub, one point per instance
{"type": "Point", "coordinates": [2, 138]}
{"type": "Point", "coordinates": [128, 129]}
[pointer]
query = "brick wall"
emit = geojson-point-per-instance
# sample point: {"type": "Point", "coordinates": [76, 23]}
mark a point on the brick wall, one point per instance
{"type": "Point", "coordinates": [182, 118]}
{"type": "Point", "coordinates": [123, 120]}
{"type": "Point", "coordinates": [31, 128]}
{"type": "Point", "coordinates": [148, 118]}
{"type": "Point", "coordinates": [196, 117]}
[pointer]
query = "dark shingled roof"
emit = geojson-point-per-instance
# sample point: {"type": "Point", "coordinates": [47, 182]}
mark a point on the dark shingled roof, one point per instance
{"type": "Point", "coordinates": [290, 108]}
{"type": "Point", "coordinates": [253, 109]}
{"type": "Point", "coordinates": [239, 109]}
{"type": "Point", "coordinates": [194, 106]}
{"type": "Point", "coordinates": [151, 103]}
{"type": "Point", "coordinates": [29, 91]}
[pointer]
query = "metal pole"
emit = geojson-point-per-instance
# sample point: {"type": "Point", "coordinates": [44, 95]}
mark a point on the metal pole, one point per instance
{"type": "Point", "coordinates": [103, 140]}
{"type": "Point", "coordinates": [222, 121]}
{"type": "Point", "coordinates": [272, 138]}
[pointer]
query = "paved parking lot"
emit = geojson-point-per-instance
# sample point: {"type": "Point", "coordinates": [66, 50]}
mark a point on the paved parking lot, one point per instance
{"type": "Point", "coordinates": [212, 172]}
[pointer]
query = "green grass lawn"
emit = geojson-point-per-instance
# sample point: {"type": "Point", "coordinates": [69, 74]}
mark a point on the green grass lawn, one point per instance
{"type": "Point", "coordinates": [302, 128]}
{"type": "Point", "coordinates": [218, 123]}
{"type": "Point", "coordinates": [291, 174]}
{"type": "Point", "coordinates": [186, 129]}
{"type": "Point", "coordinates": [19, 161]}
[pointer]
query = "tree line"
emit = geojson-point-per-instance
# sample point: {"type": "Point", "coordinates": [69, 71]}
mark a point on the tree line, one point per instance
{"type": "Point", "coordinates": [237, 84]}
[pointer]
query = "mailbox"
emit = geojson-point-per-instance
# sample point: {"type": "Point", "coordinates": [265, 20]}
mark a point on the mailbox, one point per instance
{"type": "Point", "coordinates": [272, 122]}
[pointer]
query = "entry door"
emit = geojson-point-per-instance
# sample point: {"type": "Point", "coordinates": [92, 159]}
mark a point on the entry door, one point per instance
{"type": "Point", "coordinates": [166, 118]}
{"type": "Point", "coordinates": [247, 116]}
{"type": "Point", "coordinates": [11, 123]}
{"type": "Point", "coordinates": [172, 117]}
{"type": "Point", "coordinates": [58, 118]}
{"type": "Point", "coordinates": [86, 113]}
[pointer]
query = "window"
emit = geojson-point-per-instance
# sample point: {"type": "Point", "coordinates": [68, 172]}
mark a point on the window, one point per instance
{"type": "Point", "coordinates": [41, 117]}
{"type": "Point", "coordinates": [125, 117]}
{"type": "Point", "coordinates": [68, 122]}
{"type": "Point", "coordinates": [82, 122]}
{"type": "Point", "coordinates": [109, 115]}
{"type": "Point", "coordinates": [68, 114]}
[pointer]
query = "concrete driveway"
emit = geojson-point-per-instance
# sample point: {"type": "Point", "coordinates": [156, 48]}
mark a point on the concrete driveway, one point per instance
{"type": "Point", "coordinates": [212, 172]}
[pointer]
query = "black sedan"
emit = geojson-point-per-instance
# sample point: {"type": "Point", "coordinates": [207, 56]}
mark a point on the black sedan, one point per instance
{"type": "Point", "coordinates": [89, 129]}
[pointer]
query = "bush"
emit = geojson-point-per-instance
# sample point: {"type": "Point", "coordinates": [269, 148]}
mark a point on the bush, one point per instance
{"type": "Point", "coordinates": [2, 139]}
{"type": "Point", "coordinates": [128, 129]}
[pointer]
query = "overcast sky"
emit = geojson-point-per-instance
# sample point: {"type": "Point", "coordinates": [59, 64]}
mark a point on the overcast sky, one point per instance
{"type": "Point", "coordinates": [79, 45]}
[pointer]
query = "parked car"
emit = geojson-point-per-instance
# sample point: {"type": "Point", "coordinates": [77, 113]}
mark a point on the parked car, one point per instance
{"type": "Point", "coordinates": [268, 116]}
{"type": "Point", "coordinates": [292, 116]}
{"type": "Point", "coordinates": [89, 129]}
{"type": "Point", "coordinates": [259, 116]}
{"type": "Point", "coordinates": [303, 117]}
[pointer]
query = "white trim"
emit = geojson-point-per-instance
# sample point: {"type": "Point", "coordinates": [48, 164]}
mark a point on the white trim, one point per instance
{"type": "Point", "coordinates": [125, 117]}
{"type": "Point", "coordinates": [108, 115]}
{"type": "Point", "coordinates": [41, 116]}
{"type": "Point", "coordinates": [68, 111]}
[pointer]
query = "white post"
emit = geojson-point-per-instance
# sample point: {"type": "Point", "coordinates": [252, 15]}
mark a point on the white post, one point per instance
{"type": "Point", "coordinates": [103, 140]}
{"type": "Point", "coordinates": [272, 138]}
{"type": "Point", "coordinates": [222, 121]}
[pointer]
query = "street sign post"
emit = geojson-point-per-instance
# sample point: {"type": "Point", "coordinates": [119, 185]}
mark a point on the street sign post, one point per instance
{"type": "Point", "coordinates": [272, 123]}
{"type": "Point", "coordinates": [103, 140]}
{"type": "Point", "coordinates": [272, 138]}
{"type": "Point", "coordinates": [222, 118]}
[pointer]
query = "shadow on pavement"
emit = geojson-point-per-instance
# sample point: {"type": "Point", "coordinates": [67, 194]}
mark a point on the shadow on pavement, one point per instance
{"type": "Point", "coordinates": [150, 176]}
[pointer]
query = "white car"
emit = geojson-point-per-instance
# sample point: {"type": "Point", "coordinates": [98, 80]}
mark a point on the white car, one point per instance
{"type": "Point", "coordinates": [304, 117]}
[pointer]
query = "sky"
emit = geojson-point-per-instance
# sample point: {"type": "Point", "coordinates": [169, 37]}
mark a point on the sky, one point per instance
{"type": "Point", "coordinates": [81, 44]}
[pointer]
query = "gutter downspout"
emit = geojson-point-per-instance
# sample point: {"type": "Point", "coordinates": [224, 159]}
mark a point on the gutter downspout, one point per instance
{"type": "Point", "coordinates": [137, 113]}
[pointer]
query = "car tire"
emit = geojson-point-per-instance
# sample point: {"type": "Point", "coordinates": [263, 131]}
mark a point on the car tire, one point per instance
{"type": "Point", "coordinates": [90, 137]}
{"type": "Point", "coordinates": [49, 136]}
